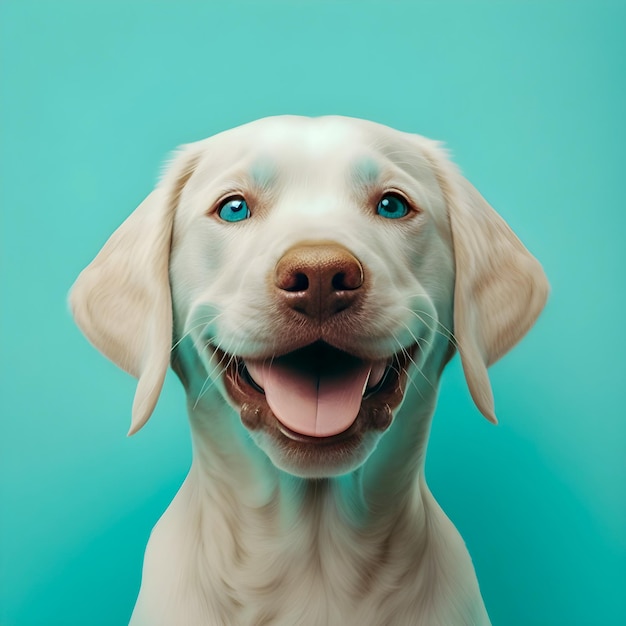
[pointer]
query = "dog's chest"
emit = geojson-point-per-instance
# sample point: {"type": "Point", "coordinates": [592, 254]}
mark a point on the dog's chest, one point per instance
{"type": "Point", "coordinates": [315, 571]}
{"type": "Point", "coordinates": [243, 566]}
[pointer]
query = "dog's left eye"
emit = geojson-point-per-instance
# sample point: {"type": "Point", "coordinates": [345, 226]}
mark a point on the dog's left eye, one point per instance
{"type": "Point", "coordinates": [234, 210]}
{"type": "Point", "coordinates": [392, 207]}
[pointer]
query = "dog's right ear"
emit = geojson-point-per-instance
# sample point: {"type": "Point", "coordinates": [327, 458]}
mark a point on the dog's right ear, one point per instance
{"type": "Point", "coordinates": [122, 300]}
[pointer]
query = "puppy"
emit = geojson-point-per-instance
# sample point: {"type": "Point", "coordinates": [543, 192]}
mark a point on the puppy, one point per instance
{"type": "Point", "coordinates": [308, 280]}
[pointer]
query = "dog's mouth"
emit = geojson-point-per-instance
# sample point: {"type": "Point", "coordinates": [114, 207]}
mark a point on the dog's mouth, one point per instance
{"type": "Point", "coordinates": [317, 394]}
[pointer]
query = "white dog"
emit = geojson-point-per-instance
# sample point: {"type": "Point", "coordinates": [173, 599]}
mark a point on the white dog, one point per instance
{"type": "Point", "coordinates": [308, 280]}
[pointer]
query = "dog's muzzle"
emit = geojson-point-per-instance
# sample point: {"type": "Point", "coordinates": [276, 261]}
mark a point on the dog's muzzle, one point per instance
{"type": "Point", "coordinates": [320, 394]}
{"type": "Point", "coordinates": [319, 386]}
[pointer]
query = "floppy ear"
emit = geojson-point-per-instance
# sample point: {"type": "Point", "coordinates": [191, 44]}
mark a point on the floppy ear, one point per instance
{"type": "Point", "coordinates": [500, 288]}
{"type": "Point", "coordinates": [122, 300]}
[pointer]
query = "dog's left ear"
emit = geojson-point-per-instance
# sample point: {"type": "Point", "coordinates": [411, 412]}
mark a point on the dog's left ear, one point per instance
{"type": "Point", "coordinates": [122, 300]}
{"type": "Point", "coordinates": [500, 288]}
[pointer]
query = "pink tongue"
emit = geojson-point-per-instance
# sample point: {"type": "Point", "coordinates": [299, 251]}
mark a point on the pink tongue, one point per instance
{"type": "Point", "coordinates": [313, 401]}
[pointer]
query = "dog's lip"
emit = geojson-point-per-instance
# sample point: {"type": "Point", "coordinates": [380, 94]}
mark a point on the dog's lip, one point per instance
{"type": "Point", "coordinates": [387, 362]}
{"type": "Point", "coordinates": [376, 405]}
{"type": "Point", "coordinates": [292, 347]}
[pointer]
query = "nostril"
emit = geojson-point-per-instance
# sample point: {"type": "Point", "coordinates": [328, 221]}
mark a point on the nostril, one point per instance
{"type": "Point", "coordinates": [339, 282]}
{"type": "Point", "coordinates": [294, 281]}
{"type": "Point", "coordinates": [348, 280]}
{"type": "Point", "coordinates": [300, 282]}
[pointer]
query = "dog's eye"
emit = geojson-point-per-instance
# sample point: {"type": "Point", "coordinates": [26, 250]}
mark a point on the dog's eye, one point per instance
{"type": "Point", "coordinates": [234, 210]}
{"type": "Point", "coordinates": [392, 207]}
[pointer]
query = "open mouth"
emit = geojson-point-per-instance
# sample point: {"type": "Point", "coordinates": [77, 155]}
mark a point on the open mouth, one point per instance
{"type": "Point", "coordinates": [317, 394]}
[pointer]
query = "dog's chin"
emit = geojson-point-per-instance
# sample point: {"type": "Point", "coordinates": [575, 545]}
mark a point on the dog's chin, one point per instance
{"type": "Point", "coordinates": [336, 448]}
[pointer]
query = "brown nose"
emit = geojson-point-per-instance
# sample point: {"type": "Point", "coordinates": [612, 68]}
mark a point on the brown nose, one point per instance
{"type": "Point", "coordinates": [319, 280]}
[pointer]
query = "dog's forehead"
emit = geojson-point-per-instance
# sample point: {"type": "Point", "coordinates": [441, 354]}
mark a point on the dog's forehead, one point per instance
{"type": "Point", "coordinates": [306, 135]}
{"type": "Point", "coordinates": [285, 137]}
{"type": "Point", "coordinates": [290, 142]}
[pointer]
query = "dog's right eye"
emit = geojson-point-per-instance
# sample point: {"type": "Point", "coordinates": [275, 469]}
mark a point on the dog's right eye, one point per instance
{"type": "Point", "coordinates": [234, 210]}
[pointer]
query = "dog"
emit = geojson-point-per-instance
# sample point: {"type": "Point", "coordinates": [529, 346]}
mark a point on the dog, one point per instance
{"type": "Point", "coordinates": [308, 279]}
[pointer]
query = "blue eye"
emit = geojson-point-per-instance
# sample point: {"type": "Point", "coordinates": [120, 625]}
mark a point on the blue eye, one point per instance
{"type": "Point", "coordinates": [234, 210]}
{"type": "Point", "coordinates": [392, 207]}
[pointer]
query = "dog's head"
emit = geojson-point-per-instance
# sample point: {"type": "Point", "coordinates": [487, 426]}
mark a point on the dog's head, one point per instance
{"type": "Point", "coordinates": [310, 270]}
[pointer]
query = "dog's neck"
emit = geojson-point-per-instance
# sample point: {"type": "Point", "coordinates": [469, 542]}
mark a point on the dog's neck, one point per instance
{"type": "Point", "coordinates": [227, 463]}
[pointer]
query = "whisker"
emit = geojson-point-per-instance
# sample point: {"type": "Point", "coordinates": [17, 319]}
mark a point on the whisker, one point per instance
{"type": "Point", "coordinates": [415, 339]}
{"type": "Point", "coordinates": [409, 379]}
{"type": "Point", "coordinates": [417, 367]}
{"type": "Point", "coordinates": [445, 332]}
{"type": "Point", "coordinates": [205, 322]}
{"type": "Point", "coordinates": [209, 379]}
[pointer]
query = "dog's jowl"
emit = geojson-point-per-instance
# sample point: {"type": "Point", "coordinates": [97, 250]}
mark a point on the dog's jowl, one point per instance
{"type": "Point", "coordinates": [308, 280]}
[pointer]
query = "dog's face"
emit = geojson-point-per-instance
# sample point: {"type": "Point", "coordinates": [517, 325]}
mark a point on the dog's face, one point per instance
{"type": "Point", "coordinates": [317, 268]}
{"type": "Point", "coordinates": [312, 265]}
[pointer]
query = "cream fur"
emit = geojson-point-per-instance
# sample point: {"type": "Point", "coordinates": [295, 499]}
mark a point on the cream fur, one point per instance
{"type": "Point", "coordinates": [252, 536]}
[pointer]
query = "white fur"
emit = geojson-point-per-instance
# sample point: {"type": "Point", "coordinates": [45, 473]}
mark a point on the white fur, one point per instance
{"type": "Point", "coordinates": [253, 537]}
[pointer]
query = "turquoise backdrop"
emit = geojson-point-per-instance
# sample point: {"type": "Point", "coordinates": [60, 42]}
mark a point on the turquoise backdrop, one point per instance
{"type": "Point", "coordinates": [529, 96]}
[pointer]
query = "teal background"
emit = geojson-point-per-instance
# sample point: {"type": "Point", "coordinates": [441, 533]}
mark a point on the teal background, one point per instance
{"type": "Point", "coordinates": [529, 96]}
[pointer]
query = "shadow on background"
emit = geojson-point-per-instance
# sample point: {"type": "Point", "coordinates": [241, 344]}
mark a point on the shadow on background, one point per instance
{"type": "Point", "coordinates": [105, 573]}
{"type": "Point", "coordinates": [530, 533]}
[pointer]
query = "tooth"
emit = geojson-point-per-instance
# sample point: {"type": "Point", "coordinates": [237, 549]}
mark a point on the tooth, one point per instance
{"type": "Point", "coordinates": [377, 373]}
{"type": "Point", "coordinates": [257, 378]}
{"type": "Point", "coordinates": [366, 382]}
